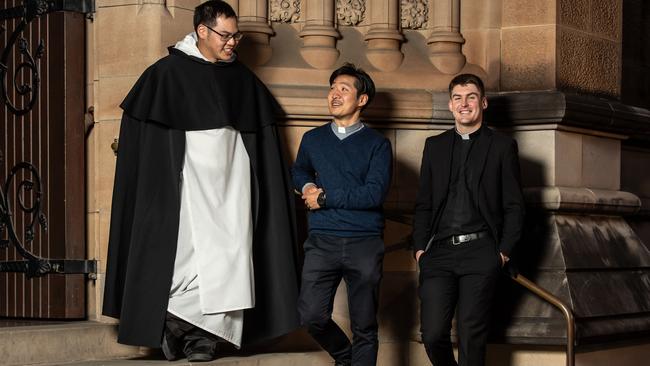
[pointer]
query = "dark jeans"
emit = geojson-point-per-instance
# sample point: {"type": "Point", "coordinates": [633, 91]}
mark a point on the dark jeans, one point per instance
{"type": "Point", "coordinates": [462, 276]}
{"type": "Point", "coordinates": [358, 261]}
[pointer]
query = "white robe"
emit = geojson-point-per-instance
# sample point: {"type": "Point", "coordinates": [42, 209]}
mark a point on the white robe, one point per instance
{"type": "Point", "coordinates": [213, 271]}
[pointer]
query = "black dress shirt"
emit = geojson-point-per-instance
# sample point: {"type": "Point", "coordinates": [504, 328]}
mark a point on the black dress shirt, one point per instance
{"type": "Point", "coordinates": [461, 214]}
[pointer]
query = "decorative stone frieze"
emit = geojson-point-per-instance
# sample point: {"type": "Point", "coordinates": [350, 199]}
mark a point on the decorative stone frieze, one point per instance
{"type": "Point", "coordinates": [414, 14]}
{"type": "Point", "coordinates": [350, 12]}
{"type": "Point", "coordinates": [285, 11]}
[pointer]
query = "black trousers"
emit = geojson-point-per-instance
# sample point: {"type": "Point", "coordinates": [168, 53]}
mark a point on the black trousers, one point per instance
{"type": "Point", "coordinates": [358, 261]}
{"type": "Point", "coordinates": [461, 278]}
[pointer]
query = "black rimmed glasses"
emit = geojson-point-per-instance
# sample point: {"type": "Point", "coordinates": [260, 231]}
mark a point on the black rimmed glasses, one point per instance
{"type": "Point", "coordinates": [228, 36]}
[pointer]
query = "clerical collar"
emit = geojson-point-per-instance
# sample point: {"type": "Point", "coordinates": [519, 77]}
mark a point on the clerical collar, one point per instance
{"type": "Point", "coordinates": [469, 136]}
{"type": "Point", "coordinates": [343, 132]}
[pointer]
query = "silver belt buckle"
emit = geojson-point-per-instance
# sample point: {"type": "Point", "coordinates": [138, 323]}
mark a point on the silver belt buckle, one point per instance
{"type": "Point", "coordinates": [461, 239]}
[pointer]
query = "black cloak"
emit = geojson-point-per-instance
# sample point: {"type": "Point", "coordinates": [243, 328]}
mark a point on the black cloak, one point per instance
{"type": "Point", "coordinates": [176, 94]}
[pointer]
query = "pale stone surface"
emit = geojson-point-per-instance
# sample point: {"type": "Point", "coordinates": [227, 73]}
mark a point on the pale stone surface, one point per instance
{"type": "Point", "coordinates": [95, 291]}
{"type": "Point", "coordinates": [568, 159]}
{"type": "Point", "coordinates": [479, 15]}
{"type": "Point", "coordinates": [104, 224]}
{"type": "Point", "coordinates": [601, 163]}
{"type": "Point", "coordinates": [528, 58]}
{"type": "Point", "coordinates": [176, 27]}
{"type": "Point", "coordinates": [628, 355]}
{"type": "Point", "coordinates": [187, 4]}
{"type": "Point", "coordinates": [537, 157]}
{"type": "Point", "coordinates": [483, 48]}
{"type": "Point", "coordinates": [292, 137]}
{"type": "Point", "coordinates": [528, 12]}
{"type": "Point", "coordinates": [418, 355]}
{"type": "Point", "coordinates": [107, 132]}
{"type": "Point", "coordinates": [61, 343]}
{"type": "Point", "coordinates": [119, 52]}
{"type": "Point", "coordinates": [112, 91]}
{"type": "Point", "coordinates": [525, 355]}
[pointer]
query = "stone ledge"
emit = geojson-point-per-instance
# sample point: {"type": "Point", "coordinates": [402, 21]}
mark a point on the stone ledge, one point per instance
{"type": "Point", "coordinates": [528, 108]}
{"type": "Point", "coordinates": [584, 200]}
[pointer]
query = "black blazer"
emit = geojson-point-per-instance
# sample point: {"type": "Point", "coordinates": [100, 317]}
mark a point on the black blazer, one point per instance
{"type": "Point", "coordinates": [498, 189]}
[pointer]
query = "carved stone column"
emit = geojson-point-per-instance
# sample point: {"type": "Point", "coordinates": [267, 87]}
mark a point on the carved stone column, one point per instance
{"type": "Point", "coordinates": [319, 35]}
{"type": "Point", "coordinates": [384, 37]}
{"type": "Point", "coordinates": [445, 42]}
{"type": "Point", "coordinates": [253, 22]}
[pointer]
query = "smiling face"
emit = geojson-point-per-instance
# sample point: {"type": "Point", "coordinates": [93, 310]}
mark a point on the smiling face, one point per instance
{"type": "Point", "coordinates": [343, 102]}
{"type": "Point", "coordinates": [467, 105]}
{"type": "Point", "coordinates": [211, 45]}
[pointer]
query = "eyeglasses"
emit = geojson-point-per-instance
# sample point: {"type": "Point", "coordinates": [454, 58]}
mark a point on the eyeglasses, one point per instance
{"type": "Point", "coordinates": [226, 37]}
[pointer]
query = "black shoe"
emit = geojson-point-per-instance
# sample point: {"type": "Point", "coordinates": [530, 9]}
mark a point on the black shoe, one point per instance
{"type": "Point", "coordinates": [200, 349]}
{"type": "Point", "coordinates": [170, 347]}
{"type": "Point", "coordinates": [200, 357]}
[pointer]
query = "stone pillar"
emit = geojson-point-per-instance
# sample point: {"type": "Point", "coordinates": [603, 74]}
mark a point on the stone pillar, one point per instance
{"type": "Point", "coordinates": [384, 37]}
{"type": "Point", "coordinates": [253, 22]}
{"type": "Point", "coordinates": [445, 42]}
{"type": "Point", "coordinates": [319, 35]}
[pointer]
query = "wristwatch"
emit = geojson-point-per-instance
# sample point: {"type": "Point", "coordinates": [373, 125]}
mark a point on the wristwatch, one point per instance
{"type": "Point", "coordinates": [321, 199]}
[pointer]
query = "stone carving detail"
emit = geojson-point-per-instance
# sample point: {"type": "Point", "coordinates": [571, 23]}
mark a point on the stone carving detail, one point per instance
{"type": "Point", "coordinates": [285, 11]}
{"type": "Point", "coordinates": [350, 12]}
{"type": "Point", "coordinates": [414, 14]}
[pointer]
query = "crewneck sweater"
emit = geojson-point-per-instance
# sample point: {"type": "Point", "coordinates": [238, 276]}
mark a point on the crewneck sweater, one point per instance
{"type": "Point", "coordinates": [355, 175]}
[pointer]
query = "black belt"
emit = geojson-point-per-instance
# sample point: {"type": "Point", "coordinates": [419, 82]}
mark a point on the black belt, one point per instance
{"type": "Point", "coordinates": [462, 238]}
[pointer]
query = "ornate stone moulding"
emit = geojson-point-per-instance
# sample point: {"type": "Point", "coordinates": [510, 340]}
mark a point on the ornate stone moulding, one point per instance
{"type": "Point", "coordinates": [414, 14]}
{"type": "Point", "coordinates": [350, 12]}
{"type": "Point", "coordinates": [285, 11]}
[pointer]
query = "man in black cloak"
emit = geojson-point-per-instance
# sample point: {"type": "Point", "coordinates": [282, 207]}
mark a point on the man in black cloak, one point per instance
{"type": "Point", "coordinates": [202, 235]}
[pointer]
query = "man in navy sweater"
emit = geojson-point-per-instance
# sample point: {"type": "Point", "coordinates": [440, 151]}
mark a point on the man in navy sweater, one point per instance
{"type": "Point", "coordinates": [343, 170]}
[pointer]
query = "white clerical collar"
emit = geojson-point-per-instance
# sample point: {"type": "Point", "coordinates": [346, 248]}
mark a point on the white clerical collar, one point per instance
{"type": "Point", "coordinates": [343, 132]}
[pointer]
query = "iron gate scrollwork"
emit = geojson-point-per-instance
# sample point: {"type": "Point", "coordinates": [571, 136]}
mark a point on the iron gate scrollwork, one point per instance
{"type": "Point", "coordinates": [32, 265]}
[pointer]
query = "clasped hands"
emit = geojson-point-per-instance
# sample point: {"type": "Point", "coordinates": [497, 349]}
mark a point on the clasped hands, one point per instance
{"type": "Point", "coordinates": [310, 196]}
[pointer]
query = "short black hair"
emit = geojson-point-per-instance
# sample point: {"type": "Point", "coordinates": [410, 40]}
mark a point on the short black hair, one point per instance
{"type": "Point", "coordinates": [464, 79]}
{"type": "Point", "coordinates": [208, 12]}
{"type": "Point", "coordinates": [363, 83]}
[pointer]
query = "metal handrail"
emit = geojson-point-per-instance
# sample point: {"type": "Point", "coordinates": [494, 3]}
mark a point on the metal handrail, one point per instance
{"type": "Point", "coordinates": [566, 310]}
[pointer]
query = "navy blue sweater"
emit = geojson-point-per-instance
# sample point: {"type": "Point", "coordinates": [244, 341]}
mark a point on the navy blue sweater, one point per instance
{"type": "Point", "coordinates": [355, 175]}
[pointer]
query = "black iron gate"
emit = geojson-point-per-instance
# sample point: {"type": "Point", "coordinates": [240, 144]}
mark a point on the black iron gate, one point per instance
{"type": "Point", "coordinates": [42, 166]}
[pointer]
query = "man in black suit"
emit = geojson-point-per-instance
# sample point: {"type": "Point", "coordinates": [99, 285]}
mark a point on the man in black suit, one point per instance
{"type": "Point", "coordinates": [468, 217]}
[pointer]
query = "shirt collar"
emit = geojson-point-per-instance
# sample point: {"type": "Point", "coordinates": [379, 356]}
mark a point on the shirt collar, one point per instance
{"type": "Point", "coordinates": [469, 136]}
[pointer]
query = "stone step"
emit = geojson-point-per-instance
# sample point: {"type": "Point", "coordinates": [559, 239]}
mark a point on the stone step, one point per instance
{"type": "Point", "coordinates": [315, 358]}
{"type": "Point", "coordinates": [94, 344]}
{"type": "Point", "coordinates": [30, 343]}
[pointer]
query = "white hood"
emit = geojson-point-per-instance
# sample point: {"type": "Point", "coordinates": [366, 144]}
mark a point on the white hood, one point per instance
{"type": "Point", "coordinates": [188, 46]}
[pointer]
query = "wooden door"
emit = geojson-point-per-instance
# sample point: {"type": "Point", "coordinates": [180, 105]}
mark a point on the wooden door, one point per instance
{"type": "Point", "coordinates": [50, 136]}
